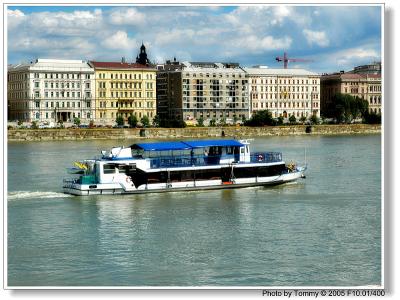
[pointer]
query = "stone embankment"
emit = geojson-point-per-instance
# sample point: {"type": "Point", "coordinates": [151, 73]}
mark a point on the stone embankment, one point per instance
{"type": "Point", "coordinates": [185, 133]}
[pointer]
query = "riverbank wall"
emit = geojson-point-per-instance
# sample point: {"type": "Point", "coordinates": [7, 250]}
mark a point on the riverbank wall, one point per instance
{"type": "Point", "coordinates": [186, 133]}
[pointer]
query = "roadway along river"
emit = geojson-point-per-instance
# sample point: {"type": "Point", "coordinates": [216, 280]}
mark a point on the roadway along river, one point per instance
{"type": "Point", "coordinates": [324, 230]}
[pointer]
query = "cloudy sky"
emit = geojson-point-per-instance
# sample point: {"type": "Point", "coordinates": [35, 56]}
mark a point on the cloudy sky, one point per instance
{"type": "Point", "coordinates": [333, 37]}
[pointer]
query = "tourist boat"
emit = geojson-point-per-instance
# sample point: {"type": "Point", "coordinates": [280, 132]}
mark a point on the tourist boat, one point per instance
{"type": "Point", "coordinates": [180, 166]}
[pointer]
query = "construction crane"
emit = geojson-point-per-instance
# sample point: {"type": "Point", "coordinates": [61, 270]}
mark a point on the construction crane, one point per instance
{"type": "Point", "coordinates": [286, 60]}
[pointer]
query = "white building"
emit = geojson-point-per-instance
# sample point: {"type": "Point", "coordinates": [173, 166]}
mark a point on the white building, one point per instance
{"type": "Point", "coordinates": [212, 91]}
{"type": "Point", "coordinates": [284, 92]}
{"type": "Point", "coordinates": [51, 90]}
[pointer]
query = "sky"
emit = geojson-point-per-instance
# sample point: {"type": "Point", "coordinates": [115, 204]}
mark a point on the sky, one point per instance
{"type": "Point", "coordinates": [331, 38]}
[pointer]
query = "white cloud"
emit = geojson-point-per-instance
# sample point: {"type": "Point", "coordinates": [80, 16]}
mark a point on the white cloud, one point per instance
{"type": "Point", "coordinates": [15, 13]}
{"type": "Point", "coordinates": [130, 16]}
{"type": "Point", "coordinates": [350, 56]}
{"type": "Point", "coordinates": [118, 40]}
{"type": "Point", "coordinates": [14, 18]}
{"type": "Point", "coordinates": [255, 44]}
{"type": "Point", "coordinates": [316, 37]}
{"type": "Point", "coordinates": [280, 13]}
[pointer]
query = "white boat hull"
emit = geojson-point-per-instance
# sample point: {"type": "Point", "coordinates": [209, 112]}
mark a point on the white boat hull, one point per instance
{"type": "Point", "coordinates": [123, 188]}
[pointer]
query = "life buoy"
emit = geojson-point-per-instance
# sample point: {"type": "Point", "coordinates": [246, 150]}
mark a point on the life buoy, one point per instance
{"type": "Point", "coordinates": [260, 157]}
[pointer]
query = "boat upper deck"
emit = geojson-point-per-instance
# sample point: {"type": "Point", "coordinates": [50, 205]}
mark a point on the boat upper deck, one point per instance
{"type": "Point", "coordinates": [193, 153]}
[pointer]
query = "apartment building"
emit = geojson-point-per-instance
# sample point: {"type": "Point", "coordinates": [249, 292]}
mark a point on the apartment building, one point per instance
{"type": "Point", "coordinates": [50, 90]}
{"type": "Point", "coordinates": [124, 89]}
{"type": "Point", "coordinates": [189, 91]}
{"type": "Point", "coordinates": [284, 92]}
{"type": "Point", "coordinates": [367, 86]}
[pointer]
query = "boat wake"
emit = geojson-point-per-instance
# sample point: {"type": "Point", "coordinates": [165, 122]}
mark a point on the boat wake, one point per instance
{"type": "Point", "coordinates": [37, 194]}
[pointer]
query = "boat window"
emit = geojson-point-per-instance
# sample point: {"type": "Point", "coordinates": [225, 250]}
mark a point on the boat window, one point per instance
{"type": "Point", "coordinates": [229, 150]}
{"type": "Point", "coordinates": [242, 150]}
{"type": "Point", "coordinates": [109, 169]}
{"type": "Point", "coordinates": [122, 168]}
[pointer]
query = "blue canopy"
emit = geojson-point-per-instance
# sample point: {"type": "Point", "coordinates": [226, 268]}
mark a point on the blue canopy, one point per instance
{"type": "Point", "coordinates": [163, 146]}
{"type": "Point", "coordinates": [186, 145]}
{"type": "Point", "coordinates": [210, 143]}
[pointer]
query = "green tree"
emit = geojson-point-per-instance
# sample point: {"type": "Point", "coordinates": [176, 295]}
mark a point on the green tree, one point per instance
{"type": "Point", "coordinates": [260, 118]}
{"type": "Point", "coordinates": [280, 120]}
{"type": "Point", "coordinates": [222, 122]}
{"type": "Point", "coordinates": [303, 119]}
{"type": "Point", "coordinates": [292, 119]}
{"type": "Point", "coordinates": [235, 119]}
{"type": "Point", "coordinates": [77, 121]}
{"type": "Point", "coordinates": [120, 121]}
{"type": "Point", "coordinates": [372, 118]}
{"type": "Point", "coordinates": [132, 121]}
{"type": "Point", "coordinates": [145, 121]}
{"type": "Point", "coordinates": [156, 121]}
{"type": "Point", "coordinates": [314, 120]}
{"type": "Point", "coordinates": [200, 122]}
{"type": "Point", "coordinates": [345, 108]}
{"type": "Point", "coordinates": [34, 125]}
{"type": "Point", "coordinates": [213, 122]}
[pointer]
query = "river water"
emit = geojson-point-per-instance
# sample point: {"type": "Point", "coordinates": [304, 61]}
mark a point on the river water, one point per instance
{"type": "Point", "coordinates": [324, 230]}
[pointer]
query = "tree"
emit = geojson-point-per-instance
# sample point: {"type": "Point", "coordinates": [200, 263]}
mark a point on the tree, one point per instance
{"type": "Point", "coordinates": [222, 122]}
{"type": "Point", "coordinates": [200, 122]}
{"type": "Point", "coordinates": [292, 119]}
{"type": "Point", "coordinates": [345, 108]}
{"type": "Point", "coordinates": [132, 121]}
{"type": "Point", "coordinates": [303, 119]}
{"type": "Point", "coordinates": [235, 119]}
{"type": "Point", "coordinates": [260, 118]}
{"type": "Point", "coordinates": [213, 122]}
{"type": "Point", "coordinates": [34, 125]}
{"type": "Point", "coordinates": [280, 120]}
{"type": "Point", "coordinates": [372, 118]}
{"type": "Point", "coordinates": [77, 121]}
{"type": "Point", "coordinates": [120, 121]}
{"type": "Point", "coordinates": [156, 121]}
{"type": "Point", "coordinates": [145, 121]}
{"type": "Point", "coordinates": [314, 120]}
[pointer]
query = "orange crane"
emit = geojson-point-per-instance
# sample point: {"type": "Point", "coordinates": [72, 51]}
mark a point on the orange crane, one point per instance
{"type": "Point", "coordinates": [286, 60]}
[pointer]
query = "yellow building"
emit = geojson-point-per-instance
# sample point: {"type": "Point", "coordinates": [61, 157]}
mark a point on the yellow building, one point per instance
{"type": "Point", "coordinates": [124, 89]}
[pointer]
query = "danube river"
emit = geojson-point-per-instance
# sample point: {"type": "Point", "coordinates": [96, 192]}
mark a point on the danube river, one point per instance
{"type": "Point", "coordinates": [324, 230]}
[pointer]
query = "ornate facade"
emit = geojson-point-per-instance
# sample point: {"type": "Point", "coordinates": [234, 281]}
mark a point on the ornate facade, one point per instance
{"type": "Point", "coordinates": [124, 89]}
{"type": "Point", "coordinates": [284, 92]}
{"type": "Point", "coordinates": [51, 90]}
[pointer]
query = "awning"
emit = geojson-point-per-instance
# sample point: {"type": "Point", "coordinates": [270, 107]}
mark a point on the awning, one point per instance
{"type": "Point", "coordinates": [163, 146]}
{"type": "Point", "coordinates": [210, 143]}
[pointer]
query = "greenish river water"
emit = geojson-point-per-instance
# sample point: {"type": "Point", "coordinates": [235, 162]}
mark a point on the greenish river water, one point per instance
{"type": "Point", "coordinates": [324, 230]}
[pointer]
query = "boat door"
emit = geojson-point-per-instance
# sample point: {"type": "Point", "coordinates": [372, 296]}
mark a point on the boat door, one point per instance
{"type": "Point", "coordinates": [242, 153]}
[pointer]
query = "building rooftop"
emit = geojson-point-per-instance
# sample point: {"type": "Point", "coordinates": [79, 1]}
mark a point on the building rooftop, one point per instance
{"type": "Point", "coordinates": [349, 76]}
{"type": "Point", "coordinates": [52, 65]}
{"type": "Point", "coordinates": [118, 65]}
{"type": "Point", "coordinates": [282, 72]}
{"type": "Point", "coordinates": [211, 67]}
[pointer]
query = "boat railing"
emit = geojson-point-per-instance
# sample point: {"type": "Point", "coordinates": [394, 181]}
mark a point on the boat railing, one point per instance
{"type": "Point", "coordinates": [183, 161]}
{"type": "Point", "coordinates": [209, 160]}
{"type": "Point", "coordinates": [265, 157]}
